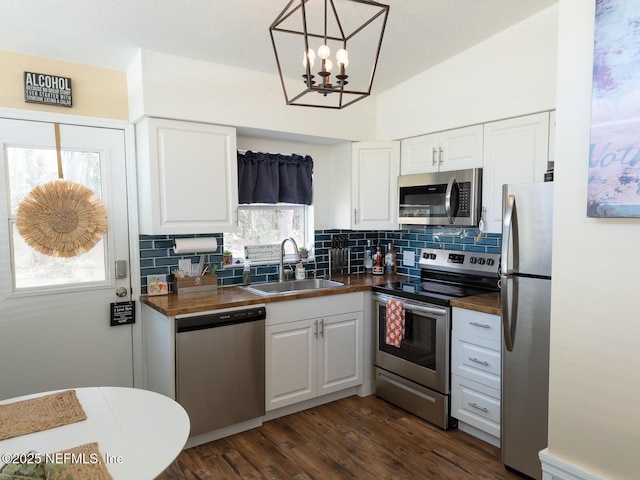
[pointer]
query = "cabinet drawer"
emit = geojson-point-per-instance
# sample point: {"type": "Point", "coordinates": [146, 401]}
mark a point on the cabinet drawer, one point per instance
{"type": "Point", "coordinates": [476, 404]}
{"type": "Point", "coordinates": [476, 358]}
{"type": "Point", "coordinates": [477, 323]}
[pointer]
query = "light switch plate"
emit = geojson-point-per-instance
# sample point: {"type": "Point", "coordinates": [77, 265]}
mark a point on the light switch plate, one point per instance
{"type": "Point", "coordinates": [408, 258]}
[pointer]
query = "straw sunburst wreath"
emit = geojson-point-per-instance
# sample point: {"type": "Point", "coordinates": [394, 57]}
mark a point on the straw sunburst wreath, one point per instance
{"type": "Point", "coordinates": [60, 218]}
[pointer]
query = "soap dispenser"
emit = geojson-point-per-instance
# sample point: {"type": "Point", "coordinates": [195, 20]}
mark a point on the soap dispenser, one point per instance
{"type": "Point", "coordinates": [246, 273]}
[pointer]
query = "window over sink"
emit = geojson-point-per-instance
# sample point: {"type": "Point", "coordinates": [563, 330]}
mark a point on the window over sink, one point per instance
{"type": "Point", "coordinates": [262, 224]}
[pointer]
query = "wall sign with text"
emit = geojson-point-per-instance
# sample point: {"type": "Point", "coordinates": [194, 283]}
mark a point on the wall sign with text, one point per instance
{"type": "Point", "coordinates": [614, 160]}
{"type": "Point", "coordinates": [47, 89]}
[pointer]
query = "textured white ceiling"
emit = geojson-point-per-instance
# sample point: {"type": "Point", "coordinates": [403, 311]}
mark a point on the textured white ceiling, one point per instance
{"type": "Point", "coordinates": [107, 33]}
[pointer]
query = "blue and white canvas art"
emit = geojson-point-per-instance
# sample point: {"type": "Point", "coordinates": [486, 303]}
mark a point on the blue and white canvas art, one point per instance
{"type": "Point", "coordinates": [614, 160]}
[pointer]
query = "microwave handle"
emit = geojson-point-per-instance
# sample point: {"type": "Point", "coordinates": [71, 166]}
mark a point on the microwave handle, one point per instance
{"type": "Point", "coordinates": [447, 198]}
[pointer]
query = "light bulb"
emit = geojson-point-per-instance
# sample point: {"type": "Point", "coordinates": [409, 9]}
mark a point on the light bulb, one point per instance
{"type": "Point", "coordinates": [342, 56]}
{"type": "Point", "coordinates": [312, 57]}
{"type": "Point", "coordinates": [344, 63]}
{"type": "Point", "coordinates": [324, 52]}
{"type": "Point", "coordinates": [328, 65]}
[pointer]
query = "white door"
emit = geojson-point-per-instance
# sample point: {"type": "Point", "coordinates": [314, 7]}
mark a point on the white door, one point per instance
{"type": "Point", "coordinates": [55, 312]}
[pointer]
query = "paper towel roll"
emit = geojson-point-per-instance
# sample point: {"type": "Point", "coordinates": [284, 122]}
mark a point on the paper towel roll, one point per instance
{"type": "Point", "coordinates": [194, 245]}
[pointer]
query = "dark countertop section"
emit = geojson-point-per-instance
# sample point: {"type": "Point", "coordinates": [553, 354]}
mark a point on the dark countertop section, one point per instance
{"type": "Point", "coordinates": [236, 296]}
{"type": "Point", "coordinates": [486, 303]}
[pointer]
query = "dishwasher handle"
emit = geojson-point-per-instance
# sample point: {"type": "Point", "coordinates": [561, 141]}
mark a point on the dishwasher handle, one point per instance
{"type": "Point", "coordinates": [220, 319]}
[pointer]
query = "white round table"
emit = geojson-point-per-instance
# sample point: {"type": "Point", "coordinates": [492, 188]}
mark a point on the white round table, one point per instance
{"type": "Point", "coordinates": [140, 431]}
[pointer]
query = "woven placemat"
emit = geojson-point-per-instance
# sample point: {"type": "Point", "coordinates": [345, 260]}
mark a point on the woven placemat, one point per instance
{"type": "Point", "coordinates": [86, 462]}
{"type": "Point", "coordinates": [42, 413]}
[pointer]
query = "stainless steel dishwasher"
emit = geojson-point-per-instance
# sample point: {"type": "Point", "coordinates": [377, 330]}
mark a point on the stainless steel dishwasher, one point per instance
{"type": "Point", "coordinates": [220, 367]}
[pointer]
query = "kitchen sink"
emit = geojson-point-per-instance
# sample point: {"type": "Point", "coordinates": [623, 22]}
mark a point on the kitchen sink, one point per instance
{"type": "Point", "coordinates": [293, 286]}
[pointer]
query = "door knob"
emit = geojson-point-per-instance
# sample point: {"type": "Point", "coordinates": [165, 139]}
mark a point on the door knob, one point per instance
{"type": "Point", "coordinates": [121, 292]}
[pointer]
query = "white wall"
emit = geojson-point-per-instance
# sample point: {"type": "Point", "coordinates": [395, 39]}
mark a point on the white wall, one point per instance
{"type": "Point", "coordinates": [164, 85]}
{"type": "Point", "coordinates": [594, 420]}
{"type": "Point", "coordinates": [510, 74]}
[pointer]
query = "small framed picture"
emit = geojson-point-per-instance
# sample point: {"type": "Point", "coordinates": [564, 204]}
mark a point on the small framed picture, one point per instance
{"type": "Point", "coordinates": [157, 285]}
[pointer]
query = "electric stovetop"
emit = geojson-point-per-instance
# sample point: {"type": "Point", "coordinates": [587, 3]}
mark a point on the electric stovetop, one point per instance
{"type": "Point", "coordinates": [447, 275]}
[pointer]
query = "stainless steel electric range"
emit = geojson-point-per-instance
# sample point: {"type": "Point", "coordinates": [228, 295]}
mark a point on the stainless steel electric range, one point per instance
{"type": "Point", "coordinates": [416, 375]}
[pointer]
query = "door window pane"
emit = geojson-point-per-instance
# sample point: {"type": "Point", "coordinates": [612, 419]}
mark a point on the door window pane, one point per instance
{"type": "Point", "coordinates": [28, 168]}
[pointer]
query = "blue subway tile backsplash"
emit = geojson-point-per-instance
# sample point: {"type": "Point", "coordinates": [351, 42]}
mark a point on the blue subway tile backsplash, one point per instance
{"type": "Point", "coordinates": [157, 257]}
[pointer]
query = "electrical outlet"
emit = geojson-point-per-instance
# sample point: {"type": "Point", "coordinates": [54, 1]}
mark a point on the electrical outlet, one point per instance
{"type": "Point", "coordinates": [408, 258]}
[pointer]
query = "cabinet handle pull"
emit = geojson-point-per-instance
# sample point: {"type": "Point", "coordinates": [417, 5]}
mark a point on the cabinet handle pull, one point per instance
{"type": "Point", "coordinates": [322, 327]}
{"type": "Point", "coordinates": [440, 157]}
{"type": "Point", "coordinates": [482, 325]}
{"type": "Point", "coordinates": [433, 157]}
{"type": "Point", "coordinates": [355, 216]}
{"type": "Point", "coordinates": [486, 364]}
{"type": "Point", "coordinates": [478, 407]}
{"type": "Point", "coordinates": [316, 332]}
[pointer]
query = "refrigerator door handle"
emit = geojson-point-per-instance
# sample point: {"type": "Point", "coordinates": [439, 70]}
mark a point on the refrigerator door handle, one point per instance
{"type": "Point", "coordinates": [447, 199]}
{"type": "Point", "coordinates": [510, 235]}
{"type": "Point", "coordinates": [509, 318]}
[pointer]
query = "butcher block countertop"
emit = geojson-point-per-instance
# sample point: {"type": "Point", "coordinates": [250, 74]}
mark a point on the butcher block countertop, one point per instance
{"type": "Point", "coordinates": [236, 296]}
{"type": "Point", "coordinates": [486, 303]}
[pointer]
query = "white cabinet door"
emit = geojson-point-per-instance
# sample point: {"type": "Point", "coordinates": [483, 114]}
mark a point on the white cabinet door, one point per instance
{"type": "Point", "coordinates": [340, 353]}
{"type": "Point", "coordinates": [461, 148]}
{"type": "Point", "coordinates": [456, 149]}
{"type": "Point", "coordinates": [187, 177]}
{"type": "Point", "coordinates": [420, 154]}
{"type": "Point", "coordinates": [291, 365]}
{"type": "Point", "coordinates": [374, 185]}
{"type": "Point", "coordinates": [515, 151]}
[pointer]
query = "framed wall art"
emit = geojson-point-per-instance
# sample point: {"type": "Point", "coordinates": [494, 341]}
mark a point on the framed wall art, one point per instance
{"type": "Point", "coordinates": [614, 160]}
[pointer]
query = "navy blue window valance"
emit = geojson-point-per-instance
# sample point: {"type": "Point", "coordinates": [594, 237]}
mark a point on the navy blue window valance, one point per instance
{"type": "Point", "coordinates": [274, 178]}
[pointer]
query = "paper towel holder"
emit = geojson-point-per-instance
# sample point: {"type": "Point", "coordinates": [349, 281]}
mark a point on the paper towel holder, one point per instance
{"type": "Point", "coordinates": [185, 246]}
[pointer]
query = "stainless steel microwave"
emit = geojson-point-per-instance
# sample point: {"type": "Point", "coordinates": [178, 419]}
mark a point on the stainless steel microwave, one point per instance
{"type": "Point", "coordinates": [441, 198]}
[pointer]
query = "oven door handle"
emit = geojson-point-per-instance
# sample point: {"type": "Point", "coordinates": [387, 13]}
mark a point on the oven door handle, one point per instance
{"type": "Point", "coordinates": [411, 306]}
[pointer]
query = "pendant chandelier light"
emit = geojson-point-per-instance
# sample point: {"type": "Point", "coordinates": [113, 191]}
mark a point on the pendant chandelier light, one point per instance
{"type": "Point", "coordinates": [327, 50]}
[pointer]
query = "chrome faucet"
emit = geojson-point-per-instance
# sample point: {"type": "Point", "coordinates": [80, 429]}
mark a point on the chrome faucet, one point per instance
{"type": "Point", "coordinates": [295, 248]}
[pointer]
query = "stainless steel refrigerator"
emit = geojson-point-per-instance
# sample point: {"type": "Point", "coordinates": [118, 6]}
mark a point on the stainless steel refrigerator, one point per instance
{"type": "Point", "coordinates": [526, 304]}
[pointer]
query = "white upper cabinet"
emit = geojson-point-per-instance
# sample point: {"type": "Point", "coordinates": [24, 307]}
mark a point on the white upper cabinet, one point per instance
{"type": "Point", "coordinates": [187, 177]}
{"type": "Point", "coordinates": [443, 151]}
{"type": "Point", "coordinates": [515, 151]}
{"type": "Point", "coordinates": [374, 185]}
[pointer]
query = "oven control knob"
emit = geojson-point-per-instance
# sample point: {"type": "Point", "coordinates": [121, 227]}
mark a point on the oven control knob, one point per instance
{"type": "Point", "coordinates": [432, 256]}
{"type": "Point", "coordinates": [481, 261]}
{"type": "Point", "coordinates": [491, 262]}
{"type": "Point", "coordinates": [473, 260]}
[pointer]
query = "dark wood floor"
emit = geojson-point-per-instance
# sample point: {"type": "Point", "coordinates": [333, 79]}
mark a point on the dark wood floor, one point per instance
{"type": "Point", "coordinates": [354, 438]}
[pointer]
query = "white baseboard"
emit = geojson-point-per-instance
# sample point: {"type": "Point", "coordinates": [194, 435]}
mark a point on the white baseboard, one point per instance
{"type": "Point", "coordinates": [556, 469]}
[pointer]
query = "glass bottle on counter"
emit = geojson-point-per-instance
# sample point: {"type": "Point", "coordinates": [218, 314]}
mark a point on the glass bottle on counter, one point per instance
{"type": "Point", "coordinates": [378, 267]}
{"type": "Point", "coordinates": [388, 260]}
{"type": "Point", "coordinates": [368, 258]}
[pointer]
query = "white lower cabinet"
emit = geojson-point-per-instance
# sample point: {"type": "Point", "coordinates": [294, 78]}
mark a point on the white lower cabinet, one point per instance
{"type": "Point", "coordinates": [475, 372]}
{"type": "Point", "coordinates": [311, 357]}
